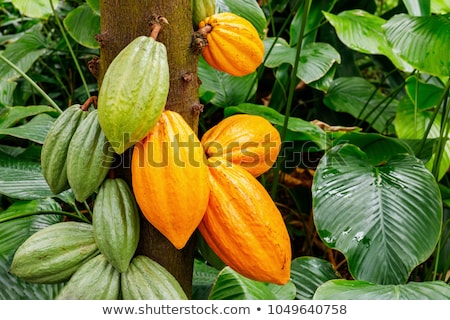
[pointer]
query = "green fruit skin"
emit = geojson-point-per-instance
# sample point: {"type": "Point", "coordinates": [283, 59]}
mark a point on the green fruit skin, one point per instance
{"type": "Point", "coordinates": [116, 223]}
{"type": "Point", "coordinates": [202, 9]}
{"type": "Point", "coordinates": [56, 144]}
{"type": "Point", "coordinates": [97, 279]}
{"type": "Point", "coordinates": [133, 92]}
{"type": "Point", "coordinates": [145, 279]}
{"type": "Point", "coordinates": [54, 253]}
{"type": "Point", "coordinates": [89, 158]}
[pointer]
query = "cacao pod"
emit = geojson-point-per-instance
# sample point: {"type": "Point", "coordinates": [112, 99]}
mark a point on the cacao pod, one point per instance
{"type": "Point", "coordinates": [233, 44]}
{"type": "Point", "coordinates": [146, 279]}
{"type": "Point", "coordinates": [96, 279]}
{"type": "Point", "coordinates": [89, 158]}
{"type": "Point", "coordinates": [202, 9]}
{"type": "Point", "coordinates": [133, 93]}
{"type": "Point", "coordinates": [170, 178]}
{"type": "Point", "coordinates": [243, 225]}
{"type": "Point", "coordinates": [116, 223]}
{"type": "Point", "coordinates": [56, 144]}
{"type": "Point", "coordinates": [247, 140]}
{"type": "Point", "coordinates": [54, 253]}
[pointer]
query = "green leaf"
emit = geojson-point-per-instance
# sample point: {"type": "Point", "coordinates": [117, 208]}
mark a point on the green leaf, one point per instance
{"type": "Point", "coordinates": [22, 179]}
{"type": "Point", "coordinates": [418, 7]}
{"type": "Point", "coordinates": [9, 116]}
{"type": "Point", "coordinates": [424, 42]}
{"type": "Point", "coordinates": [361, 99]}
{"type": "Point", "coordinates": [229, 90]}
{"type": "Point", "coordinates": [230, 285]}
{"type": "Point", "coordinates": [440, 6]}
{"type": "Point", "coordinates": [83, 24]}
{"type": "Point", "coordinates": [375, 215]}
{"type": "Point", "coordinates": [35, 8]}
{"type": "Point", "coordinates": [427, 95]}
{"type": "Point", "coordinates": [34, 130]}
{"type": "Point", "coordinates": [202, 280]}
{"type": "Point", "coordinates": [248, 9]}
{"type": "Point", "coordinates": [316, 58]}
{"type": "Point", "coordinates": [362, 290]}
{"type": "Point", "coordinates": [309, 273]}
{"type": "Point", "coordinates": [299, 128]}
{"type": "Point", "coordinates": [363, 32]}
{"type": "Point", "coordinates": [95, 5]}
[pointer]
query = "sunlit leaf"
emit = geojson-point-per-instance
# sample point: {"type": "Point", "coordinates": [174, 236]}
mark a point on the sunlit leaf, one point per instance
{"type": "Point", "coordinates": [418, 7]}
{"type": "Point", "coordinates": [83, 24]}
{"type": "Point", "coordinates": [35, 8]}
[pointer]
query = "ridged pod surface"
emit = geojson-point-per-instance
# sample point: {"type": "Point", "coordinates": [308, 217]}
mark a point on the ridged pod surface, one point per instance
{"type": "Point", "coordinates": [170, 178]}
{"type": "Point", "coordinates": [116, 223]}
{"type": "Point", "coordinates": [89, 158]}
{"type": "Point", "coordinates": [133, 92]}
{"type": "Point", "coordinates": [234, 45]}
{"type": "Point", "coordinates": [243, 226]}
{"type": "Point", "coordinates": [145, 279]}
{"type": "Point", "coordinates": [54, 253]}
{"type": "Point", "coordinates": [97, 279]}
{"type": "Point", "coordinates": [247, 140]}
{"type": "Point", "coordinates": [202, 9]}
{"type": "Point", "coordinates": [56, 144]}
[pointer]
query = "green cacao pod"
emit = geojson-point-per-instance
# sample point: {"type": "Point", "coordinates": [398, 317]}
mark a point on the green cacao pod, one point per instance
{"type": "Point", "coordinates": [133, 92]}
{"type": "Point", "coordinates": [202, 9]}
{"type": "Point", "coordinates": [146, 279]}
{"type": "Point", "coordinates": [116, 223]}
{"type": "Point", "coordinates": [54, 253]}
{"type": "Point", "coordinates": [97, 279]}
{"type": "Point", "coordinates": [89, 158]}
{"type": "Point", "coordinates": [56, 144]}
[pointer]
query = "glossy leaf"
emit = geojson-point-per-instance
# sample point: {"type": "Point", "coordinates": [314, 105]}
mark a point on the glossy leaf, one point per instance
{"type": "Point", "coordinates": [418, 7]}
{"type": "Point", "coordinates": [375, 214]}
{"type": "Point", "coordinates": [9, 116]}
{"type": "Point", "coordinates": [35, 8]}
{"type": "Point", "coordinates": [362, 290]}
{"type": "Point", "coordinates": [424, 42]}
{"type": "Point", "coordinates": [83, 24]}
{"type": "Point", "coordinates": [309, 273]}
{"type": "Point", "coordinates": [34, 130]}
{"type": "Point", "coordinates": [424, 95]}
{"type": "Point", "coordinates": [440, 6]}
{"type": "Point", "coordinates": [95, 5]}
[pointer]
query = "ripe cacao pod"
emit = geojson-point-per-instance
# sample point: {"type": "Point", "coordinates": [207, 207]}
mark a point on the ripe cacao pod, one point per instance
{"type": "Point", "coordinates": [56, 144]}
{"type": "Point", "coordinates": [54, 253]}
{"type": "Point", "coordinates": [170, 178]}
{"type": "Point", "coordinates": [116, 223]}
{"type": "Point", "coordinates": [233, 44]}
{"type": "Point", "coordinates": [146, 279]}
{"type": "Point", "coordinates": [89, 158]}
{"type": "Point", "coordinates": [96, 279]}
{"type": "Point", "coordinates": [202, 9]}
{"type": "Point", "coordinates": [133, 93]}
{"type": "Point", "coordinates": [247, 140]}
{"type": "Point", "coordinates": [243, 226]}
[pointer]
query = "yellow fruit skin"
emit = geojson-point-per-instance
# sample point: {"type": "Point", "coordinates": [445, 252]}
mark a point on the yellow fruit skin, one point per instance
{"type": "Point", "coordinates": [234, 45]}
{"type": "Point", "coordinates": [243, 226]}
{"type": "Point", "coordinates": [247, 140]}
{"type": "Point", "coordinates": [170, 178]}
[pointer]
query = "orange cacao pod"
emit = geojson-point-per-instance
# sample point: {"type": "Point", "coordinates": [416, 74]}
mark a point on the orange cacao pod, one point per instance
{"type": "Point", "coordinates": [247, 140]}
{"type": "Point", "coordinates": [170, 178]}
{"type": "Point", "coordinates": [243, 226]}
{"type": "Point", "coordinates": [234, 45]}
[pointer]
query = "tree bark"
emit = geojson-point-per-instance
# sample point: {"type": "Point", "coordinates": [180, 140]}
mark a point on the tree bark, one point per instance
{"type": "Point", "coordinates": [121, 22]}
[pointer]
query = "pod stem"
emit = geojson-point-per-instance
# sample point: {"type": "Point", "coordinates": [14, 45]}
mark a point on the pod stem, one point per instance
{"type": "Point", "coordinates": [199, 40]}
{"type": "Point", "coordinates": [88, 102]}
{"type": "Point", "coordinates": [157, 23]}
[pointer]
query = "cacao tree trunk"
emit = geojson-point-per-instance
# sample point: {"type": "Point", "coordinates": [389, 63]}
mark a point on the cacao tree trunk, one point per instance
{"type": "Point", "coordinates": [121, 22]}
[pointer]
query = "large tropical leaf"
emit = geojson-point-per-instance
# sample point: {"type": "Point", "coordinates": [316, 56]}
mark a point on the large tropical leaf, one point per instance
{"type": "Point", "coordinates": [83, 24]}
{"type": "Point", "coordinates": [34, 130]}
{"type": "Point", "coordinates": [384, 218]}
{"type": "Point", "coordinates": [418, 7]}
{"type": "Point", "coordinates": [9, 116]}
{"type": "Point", "coordinates": [424, 42]}
{"type": "Point", "coordinates": [35, 8]}
{"type": "Point", "coordinates": [362, 290]}
{"type": "Point", "coordinates": [203, 279]}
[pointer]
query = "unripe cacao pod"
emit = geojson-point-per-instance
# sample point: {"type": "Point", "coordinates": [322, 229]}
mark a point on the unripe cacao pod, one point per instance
{"type": "Point", "coordinates": [247, 140]}
{"type": "Point", "coordinates": [54, 253]}
{"type": "Point", "coordinates": [133, 93]}
{"type": "Point", "coordinates": [201, 9]}
{"type": "Point", "coordinates": [116, 223]}
{"type": "Point", "coordinates": [170, 178]}
{"type": "Point", "coordinates": [146, 279]}
{"type": "Point", "coordinates": [233, 44]}
{"type": "Point", "coordinates": [96, 279]}
{"type": "Point", "coordinates": [89, 158]}
{"type": "Point", "coordinates": [56, 144]}
{"type": "Point", "coordinates": [243, 225]}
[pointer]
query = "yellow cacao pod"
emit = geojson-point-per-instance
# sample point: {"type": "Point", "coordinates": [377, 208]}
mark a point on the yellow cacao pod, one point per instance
{"type": "Point", "coordinates": [170, 178]}
{"type": "Point", "coordinates": [243, 226]}
{"type": "Point", "coordinates": [247, 140]}
{"type": "Point", "coordinates": [233, 44]}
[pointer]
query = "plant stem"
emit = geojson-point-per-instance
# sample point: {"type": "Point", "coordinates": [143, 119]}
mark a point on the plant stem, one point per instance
{"type": "Point", "coordinates": [292, 85]}
{"type": "Point", "coordinates": [34, 84]}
